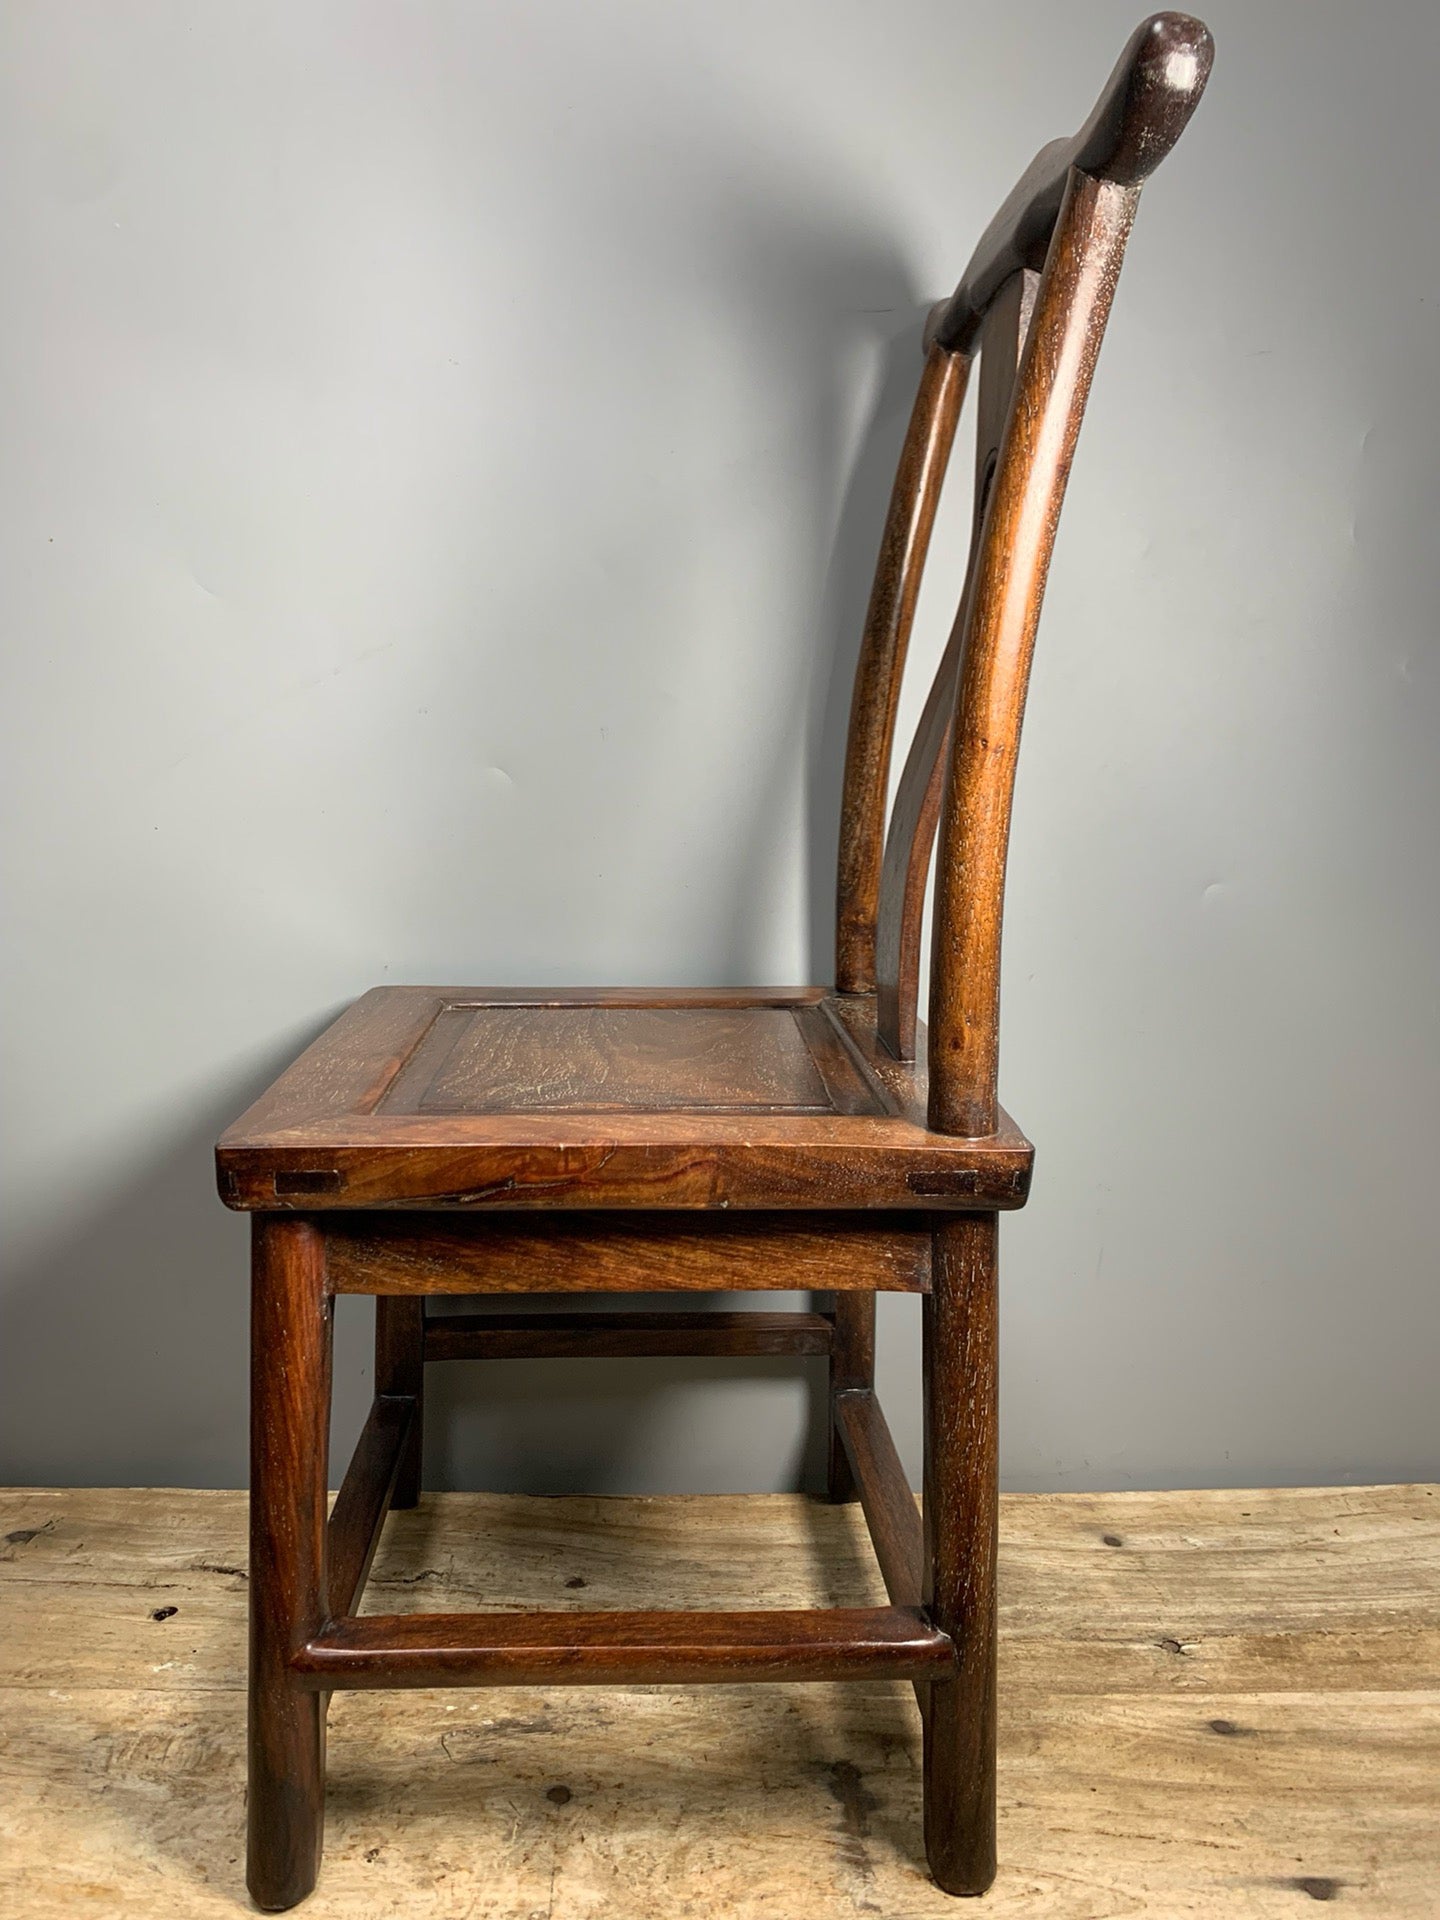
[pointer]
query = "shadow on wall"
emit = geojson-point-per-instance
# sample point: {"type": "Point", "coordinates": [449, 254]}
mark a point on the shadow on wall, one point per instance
{"type": "Point", "coordinates": [124, 1332]}
{"type": "Point", "coordinates": [660, 1426]}
{"type": "Point", "coordinates": [827, 310]}
{"type": "Point", "coordinates": [836, 310]}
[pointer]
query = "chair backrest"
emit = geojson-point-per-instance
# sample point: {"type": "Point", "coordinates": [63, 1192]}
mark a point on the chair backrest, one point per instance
{"type": "Point", "coordinates": [1032, 304]}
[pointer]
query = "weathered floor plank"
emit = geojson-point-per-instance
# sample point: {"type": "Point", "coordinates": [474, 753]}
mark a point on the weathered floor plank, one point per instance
{"type": "Point", "coordinates": [1233, 1711]}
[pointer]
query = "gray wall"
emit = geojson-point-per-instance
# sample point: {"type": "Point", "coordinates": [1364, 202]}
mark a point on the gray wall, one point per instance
{"type": "Point", "coordinates": [445, 447]}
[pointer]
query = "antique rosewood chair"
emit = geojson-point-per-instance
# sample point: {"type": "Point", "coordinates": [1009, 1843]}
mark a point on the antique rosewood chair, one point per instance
{"type": "Point", "coordinates": [452, 1140]}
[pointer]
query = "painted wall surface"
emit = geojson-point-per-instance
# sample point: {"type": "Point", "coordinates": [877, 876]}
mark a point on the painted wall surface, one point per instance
{"type": "Point", "coordinates": [444, 452]}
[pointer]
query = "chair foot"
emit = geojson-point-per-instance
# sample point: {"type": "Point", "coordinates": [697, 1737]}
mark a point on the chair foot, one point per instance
{"type": "Point", "coordinates": [959, 1791]}
{"type": "Point", "coordinates": [287, 1798]}
{"type": "Point", "coordinates": [407, 1490]}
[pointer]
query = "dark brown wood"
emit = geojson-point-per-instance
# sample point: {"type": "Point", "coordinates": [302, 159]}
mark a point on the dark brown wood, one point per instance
{"type": "Point", "coordinates": [290, 1342]}
{"type": "Point", "coordinates": [364, 1500]}
{"type": "Point", "coordinates": [343, 1129]}
{"type": "Point", "coordinates": [852, 1366]}
{"type": "Point", "coordinates": [881, 665]}
{"type": "Point", "coordinates": [444, 1141]}
{"type": "Point", "coordinates": [916, 812]}
{"type": "Point", "coordinates": [1142, 111]}
{"type": "Point", "coordinates": [403, 1253]}
{"type": "Point", "coordinates": [629, 1060]}
{"type": "Point", "coordinates": [889, 1505]}
{"type": "Point", "coordinates": [1068, 322]}
{"type": "Point", "coordinates": [400, 1371]}
{"type": "Point", "coordinates": [624, 1649]}
{"type": "Point", "coordinates": [625, 1336]}
{"type": "Point", "coordinates": [961, 1505]}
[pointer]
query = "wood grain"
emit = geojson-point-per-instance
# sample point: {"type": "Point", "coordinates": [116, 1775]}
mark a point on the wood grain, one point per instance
{"type": "Point", "coordinates": [400, 1372]}
{"type": "Point", "coordinates": [364, 1500]}
{"type": "Point", "coordinates": [852, 1369]}
{"type": "Point", "coordinates": [1320, 1589]}
{"type": "Point", "coordinates": [442, 1141]}
{"type": "Point", "coordinates": [290, 1354]}
{"type": "Point", "coordinates": [396, 1253]}
{"type": "Point", "coordinates": [1061, 346]}
{"type": "Point", "coordinates": [616, 1060]}
{"type": "Point", "coordinates": [895, 1530]}
{"type": "Point", "coordinates": [624, 1647]}
{"type": "Point", "coordinates": [880, 669]}
{"type": "Point", "coordinates": [916, 812]}
{"type": "Point", "coordinates": [625, 1336]}
{"type": "Point", "coordinates": [960, 1333]}
{"type": "Point", "coordinates": [1309, 1620]}
{"type": "Point", "coordinates": [1142, 111]}
{"type": "Point", "coordinates": [335, 1132]}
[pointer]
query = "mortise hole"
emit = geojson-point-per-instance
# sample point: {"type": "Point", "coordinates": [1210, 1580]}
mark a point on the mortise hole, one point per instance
{"type": "Point", "coordinates": [944, 1180]}
{"type": "Point", "coordinates": [322, 1180]}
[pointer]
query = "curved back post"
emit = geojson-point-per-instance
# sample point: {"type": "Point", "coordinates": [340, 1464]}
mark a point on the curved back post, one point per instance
{"type": "Point", "coordinates": [904, 545]}
{"type": "Point", "coordinates": [1067, 221]}
{"type": "Point", "coordinates": [1016, 542]}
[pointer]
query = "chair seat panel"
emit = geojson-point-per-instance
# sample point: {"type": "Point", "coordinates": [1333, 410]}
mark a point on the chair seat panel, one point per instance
{"type": "Point", "coordinates": [454, 1097]}
{"type": "Point", "coordinates": [487, 1059]}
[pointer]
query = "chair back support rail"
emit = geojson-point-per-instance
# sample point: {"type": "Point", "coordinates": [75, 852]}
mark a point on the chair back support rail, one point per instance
{"type": "Point", "coordinates": [1033, 304]}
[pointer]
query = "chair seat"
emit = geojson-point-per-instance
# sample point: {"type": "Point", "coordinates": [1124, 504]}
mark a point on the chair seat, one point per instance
{"type": "Point", "coordinates": [756, 1098]}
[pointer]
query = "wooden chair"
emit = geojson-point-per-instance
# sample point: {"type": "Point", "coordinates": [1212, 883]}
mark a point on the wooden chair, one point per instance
{"type": "Point", "coordinates": [451, 1140]}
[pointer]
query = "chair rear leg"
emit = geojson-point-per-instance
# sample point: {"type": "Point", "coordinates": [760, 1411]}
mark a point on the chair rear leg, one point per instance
{"type": "Point", "coordinates": [290, 1335]}
{"type": "Point", "coordinates": [961, 1513]}
{"type": "Point", "coordinates": [852, 1364]}
{"type": "Point", "coordinates": [400, 1369]}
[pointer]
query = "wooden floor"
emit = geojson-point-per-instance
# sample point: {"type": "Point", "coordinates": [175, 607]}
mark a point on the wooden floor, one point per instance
{"type": "Point", "coordinates": [1211, 1703]}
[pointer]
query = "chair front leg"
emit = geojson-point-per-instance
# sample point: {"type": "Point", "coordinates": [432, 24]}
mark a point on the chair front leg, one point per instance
{"type": "Point", "coordinates": [961, 1495]}
{"type": "Point", "coordinates": [290, 1334]}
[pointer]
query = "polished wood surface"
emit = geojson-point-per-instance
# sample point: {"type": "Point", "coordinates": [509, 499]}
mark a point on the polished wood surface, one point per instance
{"type": "Point", "coordinates": [852, 1369]}
{"type": "Point", "coordinates": [686, 1647]}
{"type": "Point", "coordinates": [400, 1373]}
{"type": "Point", "coordinates": [344, 1128]}
{"type": "Point", "coordinates": [290, 1348]}
{"type": "Point", "coordinates": [1142, 111]}
{"type": "Point", "coordinates": [916, 812]}
{"type": "Point", "coordinates": [1072, 304]}
{"type": "Point", "coordinates": [446, 1141]}
{"type": "Point", "coordinates": [880, 669]}
{"type": "Point", "coordinates": [366, 1495]}
{"type": "Point", "coordinates": [878, 1479]}
{"type": "Point", "coordinates": [895, 1527]}
{"type": "Point", "coordinates": [961, 1507]}
{"type": "Point", "coordinates": [340, 1129]}
{"type": "Point", "coordinates": [400, 1253]}
{"type": "Point", "coordinates": [630, 1060]}
{"type": "Point", "coordinates": [628, 1336]}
